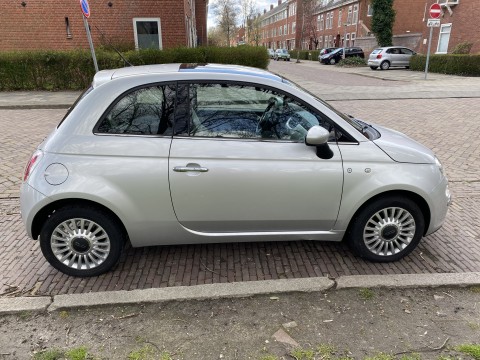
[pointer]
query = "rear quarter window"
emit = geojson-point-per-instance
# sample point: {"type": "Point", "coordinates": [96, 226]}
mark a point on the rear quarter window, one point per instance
{"type": "Point", "coordinates": [377, 51]}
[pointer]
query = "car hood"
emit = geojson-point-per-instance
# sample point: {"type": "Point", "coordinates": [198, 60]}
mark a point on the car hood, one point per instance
{"type": "Point", "coordinates": [401, 148]}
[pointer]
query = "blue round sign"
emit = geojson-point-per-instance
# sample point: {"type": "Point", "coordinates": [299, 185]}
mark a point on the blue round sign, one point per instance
{"type": "Point", "coordinates": [85, 8]}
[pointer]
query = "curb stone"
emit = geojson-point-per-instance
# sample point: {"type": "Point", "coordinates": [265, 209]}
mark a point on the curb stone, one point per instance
{"type": "Point", "coordinates": [21, 304]}
{"type": "Point", "coordinates": [233, 290]}
{"type": "Point", "coordinates": [199, 292]}
{"type": "Point", "coordinates": [408, 280]}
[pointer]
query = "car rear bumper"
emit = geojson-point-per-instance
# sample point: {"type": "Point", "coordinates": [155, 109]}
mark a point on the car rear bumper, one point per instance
{"type": "Point", "coordinates": [374, 62]}
{"type": "Point", "coordinates": [31, 201]}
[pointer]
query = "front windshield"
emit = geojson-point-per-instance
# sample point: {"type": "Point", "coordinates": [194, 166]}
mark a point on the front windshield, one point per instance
{"type": "Point", "coordinates": [362, 127]}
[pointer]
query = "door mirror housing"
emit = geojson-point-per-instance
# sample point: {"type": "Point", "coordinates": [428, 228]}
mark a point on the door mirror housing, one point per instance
{"type": "Point", "coordinates": [318, 136]}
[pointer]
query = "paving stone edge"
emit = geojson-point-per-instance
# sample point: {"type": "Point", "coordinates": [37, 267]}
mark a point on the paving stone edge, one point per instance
{"type": "Point", "coordinates": [232, 290]}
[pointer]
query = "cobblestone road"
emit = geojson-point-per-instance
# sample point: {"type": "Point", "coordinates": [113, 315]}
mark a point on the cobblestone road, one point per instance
{"type": "Point", "coordinates": [449, 126]}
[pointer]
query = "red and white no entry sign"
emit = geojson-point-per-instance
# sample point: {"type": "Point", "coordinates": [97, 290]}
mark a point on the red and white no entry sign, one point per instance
{"type": "Point", "coordinates": [435, 11]}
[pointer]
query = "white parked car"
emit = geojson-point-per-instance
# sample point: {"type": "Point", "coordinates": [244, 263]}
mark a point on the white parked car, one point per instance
{"type": "Point", "coordinates": [186, 154]}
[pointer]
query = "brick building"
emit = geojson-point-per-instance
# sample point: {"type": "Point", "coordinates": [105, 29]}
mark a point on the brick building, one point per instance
{"type": "Point", "coordinates": [279, 26]}
{"type": "Point", "coordinates": [458, 24]}
{"type": "Point", "coordinates": [332, 23]}
{"type": "Point", "coordinates": [54, 24]}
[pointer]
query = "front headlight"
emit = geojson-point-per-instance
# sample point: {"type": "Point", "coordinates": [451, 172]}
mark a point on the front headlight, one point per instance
{"type": "Point", "coordinates": [440, 166]}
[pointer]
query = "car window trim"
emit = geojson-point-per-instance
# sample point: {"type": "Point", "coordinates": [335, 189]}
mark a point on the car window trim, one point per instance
{"type": "Point", "coordinates": [248, 83]}
{"type": "Point", "coordinates": [125, 93]}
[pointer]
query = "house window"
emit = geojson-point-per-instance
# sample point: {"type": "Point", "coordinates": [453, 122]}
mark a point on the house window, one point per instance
{"type": "Point", "coordinates": [444, 38]}
{"type": "Point", "coordinates": [355, 14]}
{"type": "Point", "coordinates": [370, 10]}
{"type": "Point", "coordinates": [353, 36]}
{"type": "Point", "coordinates": [147, 32]}
{"type": "Point", "coordinates": [321, 22]}
{"type": "Point", "coordinates": [285, 29]}
{"type": "Point", "coordinates": [339, 17]}
{"type": "Point", "coordinates": [293, 27]}
{"type": "Point", "coordinates": [347, 40]}
{"type": "Point", "coordinates": [67, 26]}
{"type": "Point", "coordinates": [349, 17]}
{"type": "Point", "coordinates": [280, 31]}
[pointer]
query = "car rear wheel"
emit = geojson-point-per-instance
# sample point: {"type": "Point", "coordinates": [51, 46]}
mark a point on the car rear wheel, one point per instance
{"type": "Point", "coordinates": [82, 241]}
{"type": "Point", "coordinates": [385, 65]}
{"type": "Point", "coordinates": [332, 61]}
{"type": "Point", "coordinates": [387, 229]}
{"type": "Point", "coordinates": [374, 67]}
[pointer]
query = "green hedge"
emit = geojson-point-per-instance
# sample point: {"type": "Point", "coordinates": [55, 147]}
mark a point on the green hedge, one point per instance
{"type": "Point", "coordinates": [304, 54]}
{"type": "Point", "coordinates": [73, 70]}
{"type": "Point", "coordinates": [466, 65]}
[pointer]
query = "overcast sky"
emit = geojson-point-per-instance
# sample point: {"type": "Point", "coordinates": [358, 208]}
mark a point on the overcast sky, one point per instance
{"type": "Point", "coordinates": [260, 4]}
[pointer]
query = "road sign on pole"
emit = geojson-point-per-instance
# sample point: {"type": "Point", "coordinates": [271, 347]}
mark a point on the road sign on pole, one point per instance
{"type": "Point", "coordinates": [86, 14]}
{"type": "Point", "coordinates": [435, 11]}
{"type": "Point", "coordinates": [433, 23]}
{"type": "Point", "coordinates": [85, 8]}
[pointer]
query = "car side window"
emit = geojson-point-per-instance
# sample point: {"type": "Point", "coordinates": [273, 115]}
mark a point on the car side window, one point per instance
{"type": "Point", "coordinates": [145, 111]}
{"type": "Point", "coordinates": [406, 51]}
{"type": "Point", "coordinates": [220, 110]}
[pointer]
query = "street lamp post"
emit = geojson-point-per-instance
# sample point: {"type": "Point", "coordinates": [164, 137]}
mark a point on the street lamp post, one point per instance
{"type": "Point", "coordinates": [344, 38]}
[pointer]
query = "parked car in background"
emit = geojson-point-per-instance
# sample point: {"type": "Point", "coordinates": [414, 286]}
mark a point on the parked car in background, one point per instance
{"type": "Point", "coordinates": [282, 54]}
{"type": "Point", "coordinates": [271, 53]}
{"type": "Point", "coordinates": [187, 153]}
{"type": "Point", "coordinates": [326, 51]}
{"type": "Point", "coordinates": [386, 57]}
{"type": "Point", "coordinates": [336, 55]}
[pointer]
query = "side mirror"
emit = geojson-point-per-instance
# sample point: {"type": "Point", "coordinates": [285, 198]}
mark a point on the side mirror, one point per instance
{"type": "Point", "coordinates": [318, 136]}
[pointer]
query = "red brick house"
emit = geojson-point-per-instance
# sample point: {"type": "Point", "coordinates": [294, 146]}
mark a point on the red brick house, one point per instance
{"type": "Point", "coordinates": [348, 23]}
{"type": "Point", "coordinates": [54, 24]}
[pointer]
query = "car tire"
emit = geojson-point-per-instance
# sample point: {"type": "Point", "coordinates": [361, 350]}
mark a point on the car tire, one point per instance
{"type": "Point", "coordinates": [332, 61]}
{"type": "Point", "coordinates": [82, 241]}
{"type": "Point", "coordinates": [385, 65]}
{"type": "Point", "coordinates": [374, 67]}
{"type": "Point", "coordinates": [387, 229]}
{"type": "Point", "coordinates": [288, 59]}
{"type": "Point", "coordinates": [407, 67]}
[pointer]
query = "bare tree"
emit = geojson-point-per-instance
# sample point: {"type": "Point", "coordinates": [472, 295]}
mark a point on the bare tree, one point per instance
{"type": "Point", "coordinates": [255, 27]}
{"type": "Point", "coordinates": [226, 13]}
{"type": "Point", "coordinates": [249, 10]}
{"type": "Point", "coordinates": [308, 25]}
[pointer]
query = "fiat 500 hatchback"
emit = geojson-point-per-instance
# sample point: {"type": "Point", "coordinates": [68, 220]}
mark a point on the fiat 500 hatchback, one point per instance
{"type": "Point", "coordinates": [186, 154]}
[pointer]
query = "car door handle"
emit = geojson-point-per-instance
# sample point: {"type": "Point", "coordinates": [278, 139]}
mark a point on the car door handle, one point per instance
{"type": "Point", "coordinates": [190, 168]}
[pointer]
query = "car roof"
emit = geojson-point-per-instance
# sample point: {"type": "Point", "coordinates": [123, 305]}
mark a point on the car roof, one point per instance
{"type": "Point", "coordinates": [107, 75]}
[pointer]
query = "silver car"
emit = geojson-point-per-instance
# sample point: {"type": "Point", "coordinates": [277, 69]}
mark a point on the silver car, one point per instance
{"type": "Point", "coordinates": [187, 154]}
{"type": "Point", "coordinates": [387, 57]}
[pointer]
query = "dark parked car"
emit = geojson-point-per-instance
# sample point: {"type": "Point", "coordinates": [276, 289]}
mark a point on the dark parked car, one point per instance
{"type": "Point", "coordinates": [336, 55]}
{"type": "Point", "coordinates": [324, 51]}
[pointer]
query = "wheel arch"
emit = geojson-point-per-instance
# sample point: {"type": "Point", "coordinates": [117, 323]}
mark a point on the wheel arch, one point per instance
{"type": "Point", "coordinates": [47, 210]}
{"type": "Point", "coordinates": [419, 200]}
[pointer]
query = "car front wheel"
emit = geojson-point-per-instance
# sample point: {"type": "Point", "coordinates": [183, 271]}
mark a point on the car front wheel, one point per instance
{"type": "Point", "coordinates": [82, 241]}
{"type": "Point", "coordinates": [385, 65]}
{"type": "Point", "coordinates": [332, 61]}
{"type": "Point", "coordinates": [387, 229]}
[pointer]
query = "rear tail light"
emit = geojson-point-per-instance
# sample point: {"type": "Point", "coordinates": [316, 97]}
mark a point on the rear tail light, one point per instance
{"type": "Point", "coordinates": [379, 56]}
{"type": "Point", "coordinates": [36, 156]}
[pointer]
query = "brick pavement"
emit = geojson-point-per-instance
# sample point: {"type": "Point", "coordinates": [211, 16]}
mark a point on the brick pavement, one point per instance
{"type": "Point", "coordinates": [449, 126]}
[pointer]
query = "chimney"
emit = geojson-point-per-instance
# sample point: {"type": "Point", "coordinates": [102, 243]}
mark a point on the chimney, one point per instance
{"type": "Point", "coordinates": [264, 11]}
{"type": "Point", "coordinates": [271, 6]}
{"type": "Point", "coordinates": [279, 2]}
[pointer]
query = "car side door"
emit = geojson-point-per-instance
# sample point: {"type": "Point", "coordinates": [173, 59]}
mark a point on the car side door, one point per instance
{"type": "Point", "coordinates": [238, 162]}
